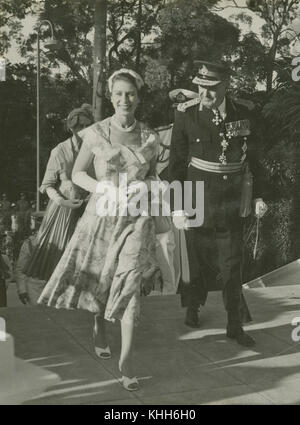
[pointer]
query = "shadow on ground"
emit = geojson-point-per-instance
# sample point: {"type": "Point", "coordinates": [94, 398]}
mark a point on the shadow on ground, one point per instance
{"type": "Point", "coordinates": [175, 364]}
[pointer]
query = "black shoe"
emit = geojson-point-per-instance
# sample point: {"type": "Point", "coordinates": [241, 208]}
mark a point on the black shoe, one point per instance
{"type": "Point", "coordinates": [191, 318]}
{"type": "Point", "coordinates": [241, 337]}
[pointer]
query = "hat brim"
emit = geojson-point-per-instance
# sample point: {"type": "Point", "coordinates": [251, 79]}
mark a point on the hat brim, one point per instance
{"type": "Point", "coordinates": [189, 94]}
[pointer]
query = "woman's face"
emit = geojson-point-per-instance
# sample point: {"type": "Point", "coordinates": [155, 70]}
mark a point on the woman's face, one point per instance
{"type": "Point", "coordinates": [82, 123]}
{"type": "Point", "coordinates": [124, 98]}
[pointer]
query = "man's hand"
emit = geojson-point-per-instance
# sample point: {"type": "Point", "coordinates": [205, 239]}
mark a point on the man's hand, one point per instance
{"type": "Point", "coordinates": [180, 220]}
{"type": "Point", "coordinates": [24, 298]}
{"type": "Point", "coordinates": [260, 208]}
{"type": "Point", "coordinates": [71, 203]}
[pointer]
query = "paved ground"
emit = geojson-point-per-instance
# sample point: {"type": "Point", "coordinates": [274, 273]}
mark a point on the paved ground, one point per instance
{"type": "Point", "coordinates": [176, 365]}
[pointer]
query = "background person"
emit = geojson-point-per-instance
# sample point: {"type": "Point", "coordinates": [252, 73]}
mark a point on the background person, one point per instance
{"type": "Point", "coordinates": [23, 212]}
{"type": "Point", "coordinates": [5, 212]}
{"type": "Point", "coordinates": [66, 198]}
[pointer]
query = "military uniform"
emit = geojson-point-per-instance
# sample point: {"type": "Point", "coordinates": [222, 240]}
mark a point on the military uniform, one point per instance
{"type": "Point", "coordinates": [203, 148]}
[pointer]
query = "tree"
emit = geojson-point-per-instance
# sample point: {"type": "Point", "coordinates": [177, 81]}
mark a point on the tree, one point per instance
{"type": "Point", "coordinates": [276, 33]}
{"type": "Point", "coordinates": [99, 61]}
{"type": "Point", "coordinates": [131, 28]}
{"type": "Point", "coordinates": [189, 31]}
{"type": "Point", "coordinates": [18, 122]}
{"type": "Point", "coordinates": [12, 13]}
{"type": "Point", "coordinates": [140, 34]}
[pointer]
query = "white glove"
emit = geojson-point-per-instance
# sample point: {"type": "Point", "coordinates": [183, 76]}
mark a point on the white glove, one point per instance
{"type": "Point", "coordinates": [180, 220]}
{"type": "Point", "coordinates": [260, 208]}
{"type": "Point", "coordinates": [137, 187]}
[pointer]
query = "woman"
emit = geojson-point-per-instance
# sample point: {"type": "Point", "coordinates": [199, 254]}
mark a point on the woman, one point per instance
{"type": "Point", "coordinates": [110, 259]}
{"type": "Point", "coordinates": [63, 209]}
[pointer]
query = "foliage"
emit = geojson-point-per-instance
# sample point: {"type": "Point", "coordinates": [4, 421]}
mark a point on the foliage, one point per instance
{"type": "Point", "coordinates": [275, 36]}
{"type": "Point", "coordinates": [189, 31]}
{"type": "Point", "coordinates": [160, 39]}
{"type": "Point", "coordinates": [18, 122]}
{"type": "Point", "coordinates": [12, 12]}
{"type": "Point", "coordinates": [283, 111]}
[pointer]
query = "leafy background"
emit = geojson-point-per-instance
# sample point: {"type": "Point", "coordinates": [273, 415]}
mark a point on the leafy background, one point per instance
{"type": "Point", "coordinates": [160, 39]}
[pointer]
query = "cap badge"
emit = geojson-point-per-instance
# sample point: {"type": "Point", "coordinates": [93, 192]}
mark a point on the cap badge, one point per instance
{"type": "Point", "coordinates": [204, 70]}
{"type": "Point", "coordinates": [180, 97]}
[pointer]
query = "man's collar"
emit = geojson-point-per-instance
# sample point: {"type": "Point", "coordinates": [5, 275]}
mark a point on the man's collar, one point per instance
{"type": "Point", "coordinates": [222, 108]}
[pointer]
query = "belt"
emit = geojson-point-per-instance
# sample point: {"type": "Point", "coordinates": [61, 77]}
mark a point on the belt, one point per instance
{"type": "Point", "coordinates": [216, 167]}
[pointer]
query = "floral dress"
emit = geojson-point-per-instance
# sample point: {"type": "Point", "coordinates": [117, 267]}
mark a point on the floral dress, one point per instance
{"type": "Point", "coordinates": [110, 259]}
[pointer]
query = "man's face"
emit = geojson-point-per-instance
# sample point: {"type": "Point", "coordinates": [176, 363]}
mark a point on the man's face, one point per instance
{"type": "Point", "coordinates": [212, 96]}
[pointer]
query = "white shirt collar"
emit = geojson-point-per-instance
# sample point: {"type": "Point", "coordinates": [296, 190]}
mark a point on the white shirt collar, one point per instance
{"type": "Point", "coordinates": [222, 108]}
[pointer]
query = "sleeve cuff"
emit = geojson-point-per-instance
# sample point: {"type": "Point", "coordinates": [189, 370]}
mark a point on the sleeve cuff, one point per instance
{"type": "Point", "coordinates": [179, 213]}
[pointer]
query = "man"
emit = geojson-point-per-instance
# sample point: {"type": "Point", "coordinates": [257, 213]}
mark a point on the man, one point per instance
{"type": "Point", "coordinates": [210, 143]}
{"type": "Point", "coordinates": [23, 217]}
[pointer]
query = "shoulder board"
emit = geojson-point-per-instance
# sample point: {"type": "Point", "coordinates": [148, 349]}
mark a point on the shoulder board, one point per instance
{"type": "Point", "coordinates": [247, 103]}
{"type": "Point", "coordinates": [163, 127]}
{"type": "Point", "coordinates": [183, 106]}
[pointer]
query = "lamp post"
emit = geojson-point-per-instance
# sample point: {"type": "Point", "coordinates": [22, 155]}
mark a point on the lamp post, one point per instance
{"type": "Point", "coordinates": [51, 45]}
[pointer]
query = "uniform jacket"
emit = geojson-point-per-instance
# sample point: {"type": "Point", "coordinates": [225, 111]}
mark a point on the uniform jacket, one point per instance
{"type": "Point", "coordinates": [196, 135]}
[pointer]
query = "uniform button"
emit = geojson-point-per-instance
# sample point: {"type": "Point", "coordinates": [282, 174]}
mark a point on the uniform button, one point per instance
{"type": "Point", "coordinates": [197, 140]}
{"type": "Point", "coordinates": [225, 177]}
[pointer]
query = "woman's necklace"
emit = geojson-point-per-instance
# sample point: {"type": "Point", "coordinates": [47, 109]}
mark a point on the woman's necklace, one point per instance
{"type": "Point", "coordinates": [125, 129]}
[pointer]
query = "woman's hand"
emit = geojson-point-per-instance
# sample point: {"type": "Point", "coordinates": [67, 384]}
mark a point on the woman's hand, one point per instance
{"type": "Point", "coordinates": [71, 203]}
{"type": "Point", "coordinates": [137, 187]}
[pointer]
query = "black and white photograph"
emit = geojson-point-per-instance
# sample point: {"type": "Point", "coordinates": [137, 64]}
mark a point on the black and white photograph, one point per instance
{"type": "Point", "coordinates": [150, 205]}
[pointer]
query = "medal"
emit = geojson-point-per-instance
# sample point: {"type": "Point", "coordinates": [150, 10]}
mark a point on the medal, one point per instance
{"type": "Point", "coordinates": [218, 119]}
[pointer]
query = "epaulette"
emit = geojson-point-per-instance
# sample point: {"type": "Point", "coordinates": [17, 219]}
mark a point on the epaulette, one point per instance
{"type": "Point", "coordinates": [247, 103]}
{"type": "Point", "coordinates": [183, 106]}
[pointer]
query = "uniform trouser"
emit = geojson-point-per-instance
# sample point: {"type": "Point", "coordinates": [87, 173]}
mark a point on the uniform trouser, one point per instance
{"type": "Point", "coordinates": [212, 252]}
{"type": "Point", "coordinates": [3, 297]}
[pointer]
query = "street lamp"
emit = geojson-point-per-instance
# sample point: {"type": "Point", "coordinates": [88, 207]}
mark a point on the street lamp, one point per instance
{"type": "Point", "coordinates": [51, 45]}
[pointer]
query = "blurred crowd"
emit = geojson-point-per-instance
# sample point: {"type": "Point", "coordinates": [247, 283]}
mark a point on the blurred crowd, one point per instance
{"type": "Point", "coordinates": [16, 216]}
{"type": "Point", "coordinates": [18, 221]}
